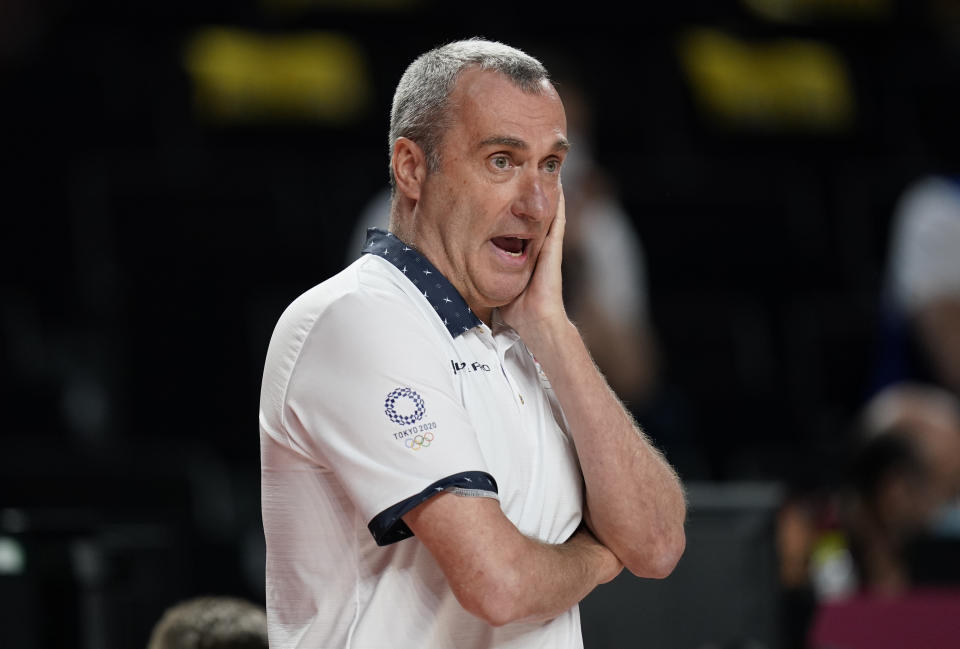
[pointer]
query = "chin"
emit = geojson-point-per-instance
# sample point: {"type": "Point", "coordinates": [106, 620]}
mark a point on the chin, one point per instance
{"type": "Point", "coordinates": [505, 293]}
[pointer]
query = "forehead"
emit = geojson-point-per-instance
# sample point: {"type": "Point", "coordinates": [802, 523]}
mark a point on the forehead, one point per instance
{"type": "Point", "coordinates": [487, 103]}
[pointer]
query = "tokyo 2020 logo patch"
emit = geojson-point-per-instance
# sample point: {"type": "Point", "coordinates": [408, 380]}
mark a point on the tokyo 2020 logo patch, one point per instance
{"type": "Point", "coordinates": [411, 406]}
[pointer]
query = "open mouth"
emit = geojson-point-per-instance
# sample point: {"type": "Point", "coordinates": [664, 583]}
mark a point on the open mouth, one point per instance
{"type": "Point", "coordinates": [513, 246]}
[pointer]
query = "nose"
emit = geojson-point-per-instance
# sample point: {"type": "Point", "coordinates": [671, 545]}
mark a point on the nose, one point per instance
{"type": "Point", "coordinates": [532, 200]}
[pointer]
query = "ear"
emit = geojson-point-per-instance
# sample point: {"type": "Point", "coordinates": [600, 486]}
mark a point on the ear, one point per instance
{"type": "Point", "coordinates": [409, 167]}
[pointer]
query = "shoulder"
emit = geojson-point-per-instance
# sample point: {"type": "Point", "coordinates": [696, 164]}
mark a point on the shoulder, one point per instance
{"type": "Point", "coordinates": [360, 318]}
{"type": "Point", "coordinates": [369, 316]}
{"type": "Point", "coordinates": [366, 294]}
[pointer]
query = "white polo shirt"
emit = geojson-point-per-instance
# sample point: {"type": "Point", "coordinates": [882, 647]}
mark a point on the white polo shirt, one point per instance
{"type": "Point", "coordinates": [381, 388]}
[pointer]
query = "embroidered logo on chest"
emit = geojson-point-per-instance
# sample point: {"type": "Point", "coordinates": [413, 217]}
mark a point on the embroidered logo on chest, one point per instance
{"type": "Point", "coordinates": [476, 366]}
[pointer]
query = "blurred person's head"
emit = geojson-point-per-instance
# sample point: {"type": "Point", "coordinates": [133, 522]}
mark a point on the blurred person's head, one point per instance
{"type": "Point", "coordinates": [891, 480]}
{"type": "Point", "coordinates": [211, 623]}
{"type": "Point", "coordinates": [906, 464]}
{"type": "Point", "coordinates": [930, 416]}
{"type": "Point", "coordinates": [889, 506]}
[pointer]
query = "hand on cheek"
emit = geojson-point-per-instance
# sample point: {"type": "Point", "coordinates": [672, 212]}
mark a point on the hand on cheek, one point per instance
{"type": "Point", "coordinates": [541, 303]}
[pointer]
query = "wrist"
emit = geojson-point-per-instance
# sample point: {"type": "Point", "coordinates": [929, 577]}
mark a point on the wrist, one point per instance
{"type": "Point", "coordinates": [550, 336]}
{"type": "Point", "coordinates": [602, 564]}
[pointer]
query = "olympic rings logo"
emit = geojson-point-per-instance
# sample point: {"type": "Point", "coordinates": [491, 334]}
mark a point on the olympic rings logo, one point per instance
{"type": "Point", "coordinates": [418, 442]}
{"type": "Point", "coordinates": [390, 406]}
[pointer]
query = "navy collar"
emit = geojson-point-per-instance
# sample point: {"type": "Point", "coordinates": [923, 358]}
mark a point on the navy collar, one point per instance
{"type": "Point", "coordinates": [440, 293]}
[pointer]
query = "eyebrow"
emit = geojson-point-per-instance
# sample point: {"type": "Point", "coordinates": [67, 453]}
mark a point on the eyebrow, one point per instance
{"type": "Point", "coordinates": [515, 143]}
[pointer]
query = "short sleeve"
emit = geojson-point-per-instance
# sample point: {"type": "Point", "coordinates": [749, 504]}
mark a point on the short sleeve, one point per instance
{"type": "Point", "coordinates": [372, 399]}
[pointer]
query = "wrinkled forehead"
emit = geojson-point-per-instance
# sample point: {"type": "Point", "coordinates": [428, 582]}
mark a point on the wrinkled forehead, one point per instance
{"type": "Point", "coordinates": [486, 103]}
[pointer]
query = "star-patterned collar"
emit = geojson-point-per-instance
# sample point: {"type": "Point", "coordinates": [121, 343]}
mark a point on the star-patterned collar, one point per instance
{"type": "Point", "coordinates": [440, 293]}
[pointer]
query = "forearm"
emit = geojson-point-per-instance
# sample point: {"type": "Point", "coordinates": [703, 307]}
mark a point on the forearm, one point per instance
{"type": "Point", "coordinates": [497, 573]}
{"type": "Point", "coordinates": [550, 579]}
{"type": "Point", "coordinates": [635, 501]}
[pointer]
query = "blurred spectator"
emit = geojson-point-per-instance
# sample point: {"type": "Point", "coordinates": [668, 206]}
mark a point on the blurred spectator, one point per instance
{"type": "Point", "coordinates": [923, 323]}
{"type": "Point", "coordinates": [905, 470]}
{"type": "Point", "coordinates": [892, 527]}
{"type": "Point", "coordinates": [906, 480]}
{"type": "Point", "coordinates": [930, 417]}
{"type": "Point", "coordinates": [854, 542]}
{"type": "Point", "coordinates": [889, 506]}
{"type": "Point", "coordinates": [215, 622]}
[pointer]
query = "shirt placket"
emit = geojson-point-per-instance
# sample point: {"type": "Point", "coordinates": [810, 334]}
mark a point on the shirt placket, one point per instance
{"type": "Point", "coordinates": [494, 344]}
{"type": "Point", "coordinates": [501, 350]}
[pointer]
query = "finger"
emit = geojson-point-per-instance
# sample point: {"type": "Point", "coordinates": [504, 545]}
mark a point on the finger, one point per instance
{"type": "Point", "coordinates": [558, 227]}
{"type": "Point", "coordinates": [561, 217]}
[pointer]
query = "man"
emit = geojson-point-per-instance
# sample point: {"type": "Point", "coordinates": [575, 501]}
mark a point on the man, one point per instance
{"type": "Point", "coordinates": [436, 389]}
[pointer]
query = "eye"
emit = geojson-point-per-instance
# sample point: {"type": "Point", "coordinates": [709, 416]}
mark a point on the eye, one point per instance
{"type": "Point", "coordinates": [552, 165]}
{"type": "Point", "coordinates": [500, 162]}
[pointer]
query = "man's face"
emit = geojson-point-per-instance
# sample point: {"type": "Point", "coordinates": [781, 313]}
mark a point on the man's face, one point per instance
{"type": "Point", "coordinates": [483, 217]}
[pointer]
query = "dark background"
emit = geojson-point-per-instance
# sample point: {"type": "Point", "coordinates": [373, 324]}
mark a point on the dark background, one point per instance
{"type": "Point", "coordinates": [147, 252]}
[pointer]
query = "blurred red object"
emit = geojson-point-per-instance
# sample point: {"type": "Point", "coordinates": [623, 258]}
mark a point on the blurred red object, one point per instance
{"type": "Point", "coordinates": [928, 618]}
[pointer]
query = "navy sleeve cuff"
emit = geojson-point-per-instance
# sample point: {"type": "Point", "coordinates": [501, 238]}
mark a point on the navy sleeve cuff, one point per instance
{"type": "Point", "coordinates": [388, 527]}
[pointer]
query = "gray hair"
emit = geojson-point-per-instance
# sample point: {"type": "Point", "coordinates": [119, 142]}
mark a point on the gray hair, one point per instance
{"type": "Point", "coordinates": [211, 622]}
{"type": "Point", "coordinates": [421, 101]}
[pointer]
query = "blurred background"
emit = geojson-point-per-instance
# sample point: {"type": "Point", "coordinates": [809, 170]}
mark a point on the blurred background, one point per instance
{"type": "Point", "coordinates": [764, 245]}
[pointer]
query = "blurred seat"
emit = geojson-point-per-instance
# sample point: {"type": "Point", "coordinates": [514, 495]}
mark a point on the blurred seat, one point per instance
{"type": "Point", "coordinates": [723, 593]}
{"type": "Point", "coordinates": [924, 618]}
{"type": "Point", "coordinates": [110, 536]}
